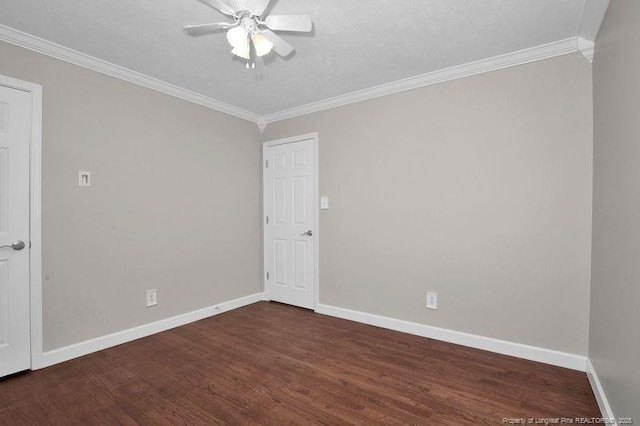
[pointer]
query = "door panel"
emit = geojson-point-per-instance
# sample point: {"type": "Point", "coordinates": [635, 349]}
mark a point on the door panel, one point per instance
{"type": "Point", "coordinates": [300, 200]}
{"type": "Point", "coordinates": [280, 262]}
{"type": "Point", "coordinates": [280, 200]}
{"type": "Point", "coordinates": [289, 207]}
{"type": "Point", "coordinates": [15, 123]}
{"type": "Point", "coordinates": [300, 266]}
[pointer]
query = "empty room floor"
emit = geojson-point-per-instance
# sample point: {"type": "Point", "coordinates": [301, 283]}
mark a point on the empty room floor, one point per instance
{"type": "Point", "coordinates": [274, 364]}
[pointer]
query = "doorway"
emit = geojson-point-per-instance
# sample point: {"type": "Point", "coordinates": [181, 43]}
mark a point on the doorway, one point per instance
{"type": "Point", "coordinates": [290, 188]}
{"type": "Point", "coordinates": [20, 279]}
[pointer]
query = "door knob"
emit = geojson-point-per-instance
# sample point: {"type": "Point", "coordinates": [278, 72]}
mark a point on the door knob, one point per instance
{"type": "Point", "coordinates": [16, 245]}
{"type": "Point", "coordinates": [309, 233]}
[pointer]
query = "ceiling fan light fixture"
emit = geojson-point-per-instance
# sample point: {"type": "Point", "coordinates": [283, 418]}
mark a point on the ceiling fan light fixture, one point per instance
{"type": "Point", "coordinates": [251, 27]}
{"type": "Point", "coordinates": [238, 37]}
{"type": "Point", "coordinates": [261, 44]}
{"type": "Point", "coordinates": [243, 51]}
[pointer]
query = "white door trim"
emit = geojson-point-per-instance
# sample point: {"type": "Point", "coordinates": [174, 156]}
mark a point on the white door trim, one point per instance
{"type": "Point", "coordinates": [316, 222]}
{"type": "Point", "coordinates": [35, 214]}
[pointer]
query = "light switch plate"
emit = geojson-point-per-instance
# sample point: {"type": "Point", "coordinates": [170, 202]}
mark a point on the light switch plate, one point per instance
{"type": "Point", "coordinates": [324, 203]}
{"type": "Point", "coordinates": [84, 178]}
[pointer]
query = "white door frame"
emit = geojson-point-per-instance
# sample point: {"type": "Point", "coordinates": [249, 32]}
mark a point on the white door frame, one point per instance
{"type": "Point", "coordinates": [35, 214]}
{"type": "Point", "coordinates": [316, 222]}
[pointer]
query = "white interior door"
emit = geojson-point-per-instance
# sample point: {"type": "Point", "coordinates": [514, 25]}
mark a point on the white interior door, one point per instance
{"type": "Point", "coordinates": [15, 125]}
{"type": "Point", "coordinates": [290, 216]}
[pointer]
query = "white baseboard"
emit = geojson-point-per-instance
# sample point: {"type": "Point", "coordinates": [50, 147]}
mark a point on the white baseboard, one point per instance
{"type": "Point", "coordinates": [598, 391]}
{"type": "Point", "coordinates": [533, 353]}
{"type": "Point", "coordinates": [57, 356]}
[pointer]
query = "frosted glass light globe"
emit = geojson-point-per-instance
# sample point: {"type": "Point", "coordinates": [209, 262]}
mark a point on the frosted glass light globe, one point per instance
{"type": "Point", "coordinates": [237, 36]}
{"type": "Point", "coordinates": [243, 51]}
{"type": "Point", "coordinates": [262, 45]}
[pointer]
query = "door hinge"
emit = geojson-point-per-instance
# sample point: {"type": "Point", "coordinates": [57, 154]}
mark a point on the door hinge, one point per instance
{"type": "Point", "coordinates": [267, 275]}
{"type": "Point", "coordinates": [267, 220]}
{"type": "Point", "coordinates": [266, 164]}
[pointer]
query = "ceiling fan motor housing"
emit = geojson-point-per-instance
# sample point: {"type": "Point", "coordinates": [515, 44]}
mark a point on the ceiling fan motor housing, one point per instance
{"type": "Point", "coordinates": [249, 24]}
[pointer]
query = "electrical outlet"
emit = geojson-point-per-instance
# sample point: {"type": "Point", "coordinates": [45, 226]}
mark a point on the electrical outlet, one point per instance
{"type": "Point", "coordinates": [152, 297]}
{"type": "Point", "coordinates": [432, 300]}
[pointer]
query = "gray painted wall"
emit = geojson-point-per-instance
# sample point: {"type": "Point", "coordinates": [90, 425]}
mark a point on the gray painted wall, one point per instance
{"type": "Point", "coordinates": [479, 189]}
{"type": "Point", "coordinates": [174, 203]}
{"type": "Point", "coordinates": [615, 306]}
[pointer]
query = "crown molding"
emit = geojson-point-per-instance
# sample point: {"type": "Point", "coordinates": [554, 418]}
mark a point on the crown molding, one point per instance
{"type": "Point", "coordinates": [545, 51]}
{"type": "Point", "coordinates": [587, 49]}
{"type": "Point", "coordinates": [519, 57]}
{"type": "Point", "coordinates": [262, 124]}
{"type": "Point", "coordinates": [592, 16]}
{"type": "Point", "coordinates": [37, 44]}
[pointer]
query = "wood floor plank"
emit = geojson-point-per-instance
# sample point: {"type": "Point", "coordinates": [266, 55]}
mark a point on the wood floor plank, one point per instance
{"type": "Point", "coordinates": [274, 364]}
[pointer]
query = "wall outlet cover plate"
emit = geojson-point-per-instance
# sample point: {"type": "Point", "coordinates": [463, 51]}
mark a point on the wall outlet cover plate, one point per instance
{"type": "Point", "coordinates": [432, 300]}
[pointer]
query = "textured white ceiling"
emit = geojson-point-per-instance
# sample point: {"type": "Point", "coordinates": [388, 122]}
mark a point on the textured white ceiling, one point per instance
{"type": "Point", "coordinates": [355, 43]}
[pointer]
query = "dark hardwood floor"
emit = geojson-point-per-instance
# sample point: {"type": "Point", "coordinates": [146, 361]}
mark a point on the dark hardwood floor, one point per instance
{"type": "Point", "coordinates": [274, 364]}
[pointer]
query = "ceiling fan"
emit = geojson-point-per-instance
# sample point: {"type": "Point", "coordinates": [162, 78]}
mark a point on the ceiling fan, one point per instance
{"type": "Point", "coordinates": [250, 34]}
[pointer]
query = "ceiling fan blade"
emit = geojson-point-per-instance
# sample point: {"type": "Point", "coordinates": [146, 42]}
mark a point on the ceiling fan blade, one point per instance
{"type": "Point", "coordinates": [281, 47]}
{"type": "Point", "coordinates": [196, 30]}
{"type": "Point", "coordinates": [300, 23]}
{"type": "Point", "coordinates": [221, 6]}
{"type": "Point", "coordinates": [257, 7]}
